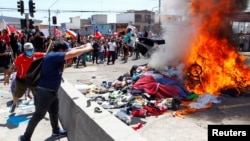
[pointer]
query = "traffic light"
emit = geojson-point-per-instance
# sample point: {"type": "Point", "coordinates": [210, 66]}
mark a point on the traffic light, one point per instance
{"type": "Point", "coordinates": [20, 7]}
{"type": "Point", "coordinates": [31, 24]}
{"type": "Point", "coordinates": [23, 23]}
{"type": "Point", "coordinates": [32, 8]}
{"type": "Point", "coordinates": [54, 21]}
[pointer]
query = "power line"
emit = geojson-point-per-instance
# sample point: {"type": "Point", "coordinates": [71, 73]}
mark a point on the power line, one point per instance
{"type": "Point", "coordinates": [67, 11]}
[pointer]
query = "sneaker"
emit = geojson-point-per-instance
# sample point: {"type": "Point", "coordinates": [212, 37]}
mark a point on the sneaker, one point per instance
{"type": "Point", "coordinates": [21, 138]}
{"type": "Point", "coordinates": [12, 108]}
{"type": "Point", "coordinates": [60, 133]}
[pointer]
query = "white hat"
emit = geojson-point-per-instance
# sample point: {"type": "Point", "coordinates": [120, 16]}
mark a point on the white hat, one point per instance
{"type": "Point", "coordinates": [28, 46]}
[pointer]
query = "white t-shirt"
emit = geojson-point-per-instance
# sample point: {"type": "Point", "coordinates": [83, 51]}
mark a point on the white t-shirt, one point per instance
{"type": "Point", "coordinates": [112, 46]}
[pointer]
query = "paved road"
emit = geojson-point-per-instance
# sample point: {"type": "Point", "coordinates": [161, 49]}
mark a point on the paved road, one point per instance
{"type": "Point", "coordinates": [192, 127]}
{"type": "Point", "coordinates": [231, 110]}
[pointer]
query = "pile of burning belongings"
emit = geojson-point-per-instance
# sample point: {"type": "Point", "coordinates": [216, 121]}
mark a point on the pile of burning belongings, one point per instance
{"type": "Point", "coordinates": [144, 92]}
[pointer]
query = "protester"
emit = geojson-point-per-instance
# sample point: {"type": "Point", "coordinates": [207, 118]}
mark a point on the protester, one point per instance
{"type": "Point", "coordinates": [95, 52]}
{"type": "Point", "coordinates": [46, 99]}
{"type": "Point", "coordinates": [112, 54]}
{"type": "Point", "coordinates": [126, 45]}
{"type": "Point", "coordinates": [21, 65]}
{"type": "Point", "coordinates": [101, 52]}
{"type": "Point", "coordinates": [6, 37]}
{"type": "Point", "coordinates": [83, 56]}
{"type": "Point", "coordinates": [13, 87]}
{"type": "Point", "coordinates": [38, 39]}
{"type": "Point", "coordinates": [14, 44]}
{"type": "Point", "coordinates": [5, 57]}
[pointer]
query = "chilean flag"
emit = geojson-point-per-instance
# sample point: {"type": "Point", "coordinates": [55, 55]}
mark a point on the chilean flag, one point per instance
{"type": "Point", "coordinates": [70, 33]}
{"type": "Point", "coordinates": [97, 34]}
{"type": "Point", "coordinates": [12, 29]}
{"type": "Point", "coordinates": [57, 32]}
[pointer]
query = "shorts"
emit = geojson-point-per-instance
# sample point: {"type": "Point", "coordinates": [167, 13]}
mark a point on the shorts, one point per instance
{"type": "Point", "coordinates": [21, 88]}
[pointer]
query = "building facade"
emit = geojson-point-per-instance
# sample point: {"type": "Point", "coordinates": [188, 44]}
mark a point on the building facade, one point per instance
{"type": "Point", "coordinates": [143, 20]}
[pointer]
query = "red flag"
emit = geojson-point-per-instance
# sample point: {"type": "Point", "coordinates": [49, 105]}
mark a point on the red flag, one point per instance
{"type": "Point", "coordinates": [97, 34]}
{"type": "Point", "coordinates": [19, 33]}
{"type": "Point", "coordinates": [12, 29]}
{"type": "Point", "coordinates": [57, 32]}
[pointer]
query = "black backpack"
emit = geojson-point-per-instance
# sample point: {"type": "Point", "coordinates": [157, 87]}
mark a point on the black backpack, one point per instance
{"type": "Point", "coordinates": [34, 72]}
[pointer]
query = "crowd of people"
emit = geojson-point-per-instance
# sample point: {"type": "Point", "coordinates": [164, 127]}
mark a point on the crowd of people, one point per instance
{"type": "Point", "coordinates": [107, 49]}
{"type": "Point", "coordinates": [17, 54]}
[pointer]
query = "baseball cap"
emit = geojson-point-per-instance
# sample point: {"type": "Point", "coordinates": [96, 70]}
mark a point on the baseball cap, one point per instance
{"type": "Point", "coordinates": [28, 46]}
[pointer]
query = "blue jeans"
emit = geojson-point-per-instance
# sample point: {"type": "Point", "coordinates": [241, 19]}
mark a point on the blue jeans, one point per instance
{"type": "Point", "coordinates": [101, 55]}
{"type": "Point", "coordinates": [45, 101]}
{"type": "Point", "coordinates": [82, 57]}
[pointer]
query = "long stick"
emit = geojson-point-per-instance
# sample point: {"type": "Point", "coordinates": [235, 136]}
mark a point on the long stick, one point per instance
{"type": "Point", "coordinates": [50, 45]}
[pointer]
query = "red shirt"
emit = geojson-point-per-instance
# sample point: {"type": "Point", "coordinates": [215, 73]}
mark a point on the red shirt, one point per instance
{"type": "Point", "coordinates": [5, 37]}
{"type": "Point", "coordinates": [23, 62]}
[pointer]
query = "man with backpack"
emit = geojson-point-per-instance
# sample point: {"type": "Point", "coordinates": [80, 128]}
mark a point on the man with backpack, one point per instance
{"type": "Point", "coordinates": [21, 65]}
{"type": "Point", "coordinates": [47, 89]}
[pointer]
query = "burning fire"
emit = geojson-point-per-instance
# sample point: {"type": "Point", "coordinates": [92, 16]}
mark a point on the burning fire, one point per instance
{"type": "Point", "coordinates": [214, 63]}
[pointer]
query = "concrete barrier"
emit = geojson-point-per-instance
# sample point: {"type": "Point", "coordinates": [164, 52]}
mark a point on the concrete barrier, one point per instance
{"type": "Point", "coordinates": [83, 124]}
{"type": "Point", "coordinates": [245, 53]}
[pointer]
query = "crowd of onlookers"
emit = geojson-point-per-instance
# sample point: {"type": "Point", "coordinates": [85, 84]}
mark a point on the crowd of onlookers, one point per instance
{"type": "Point", "coordinates": [107, 49]}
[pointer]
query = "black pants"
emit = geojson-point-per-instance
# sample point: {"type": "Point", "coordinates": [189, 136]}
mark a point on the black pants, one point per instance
{"type": "Point", "coordinates": [113, 56]}
{"type": "Point", "coordinates": [95, 57]}
{"type": "Point", "coordinates": [45, 101]}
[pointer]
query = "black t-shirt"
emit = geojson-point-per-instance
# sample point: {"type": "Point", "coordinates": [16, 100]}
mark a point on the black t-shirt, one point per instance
{"type": "Point", "coordinates": [38, 40]}
{"type": "Point", "coordinates": [2, 48]}
{"type": "Point", "coordinates": [96, 47]}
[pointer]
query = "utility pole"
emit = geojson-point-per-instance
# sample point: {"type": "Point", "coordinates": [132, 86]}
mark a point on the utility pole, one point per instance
{"type": "Point", "coordinates": [27, 21]}
{"type": "Point", "coordinates": [159, 12]}
{"type": "Point", "coordinates": [152, 18]}
{"type": "Point", "coordinates": [49, 23]}
{"type": "Point", "coordinates": [49, 16]}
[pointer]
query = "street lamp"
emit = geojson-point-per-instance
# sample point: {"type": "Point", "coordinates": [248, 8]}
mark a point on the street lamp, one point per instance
{"type": "Point", "coordinates": [49, 16]}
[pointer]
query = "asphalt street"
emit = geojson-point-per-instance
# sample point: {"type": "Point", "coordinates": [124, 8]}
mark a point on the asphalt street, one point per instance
{"type": "Point", "coordinates": [193, 127]}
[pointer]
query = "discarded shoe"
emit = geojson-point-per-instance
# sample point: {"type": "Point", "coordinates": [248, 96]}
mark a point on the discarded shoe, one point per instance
{"type": "Point", "coordinates": [104, 84]}
{"type": "Point", "coordinates": [97, 110]}
{"type": "Point", "coordinates": [123, 117]}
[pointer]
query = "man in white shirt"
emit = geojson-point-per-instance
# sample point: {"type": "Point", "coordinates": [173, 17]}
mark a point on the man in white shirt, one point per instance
{"type": "Point", "coordinates": [112, 47]}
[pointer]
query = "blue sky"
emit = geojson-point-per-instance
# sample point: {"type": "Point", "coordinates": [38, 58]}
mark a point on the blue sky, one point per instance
{"type": "Point", "coordinates": [77, 5]}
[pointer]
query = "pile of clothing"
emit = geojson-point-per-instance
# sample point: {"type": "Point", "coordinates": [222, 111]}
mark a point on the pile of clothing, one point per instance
{"type": "Point", "coordinates": [142, 92]}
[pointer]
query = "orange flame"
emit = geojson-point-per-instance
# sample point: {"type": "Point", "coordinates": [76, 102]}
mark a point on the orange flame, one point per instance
{"type": "Point", "coordinates": [221, 65]}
